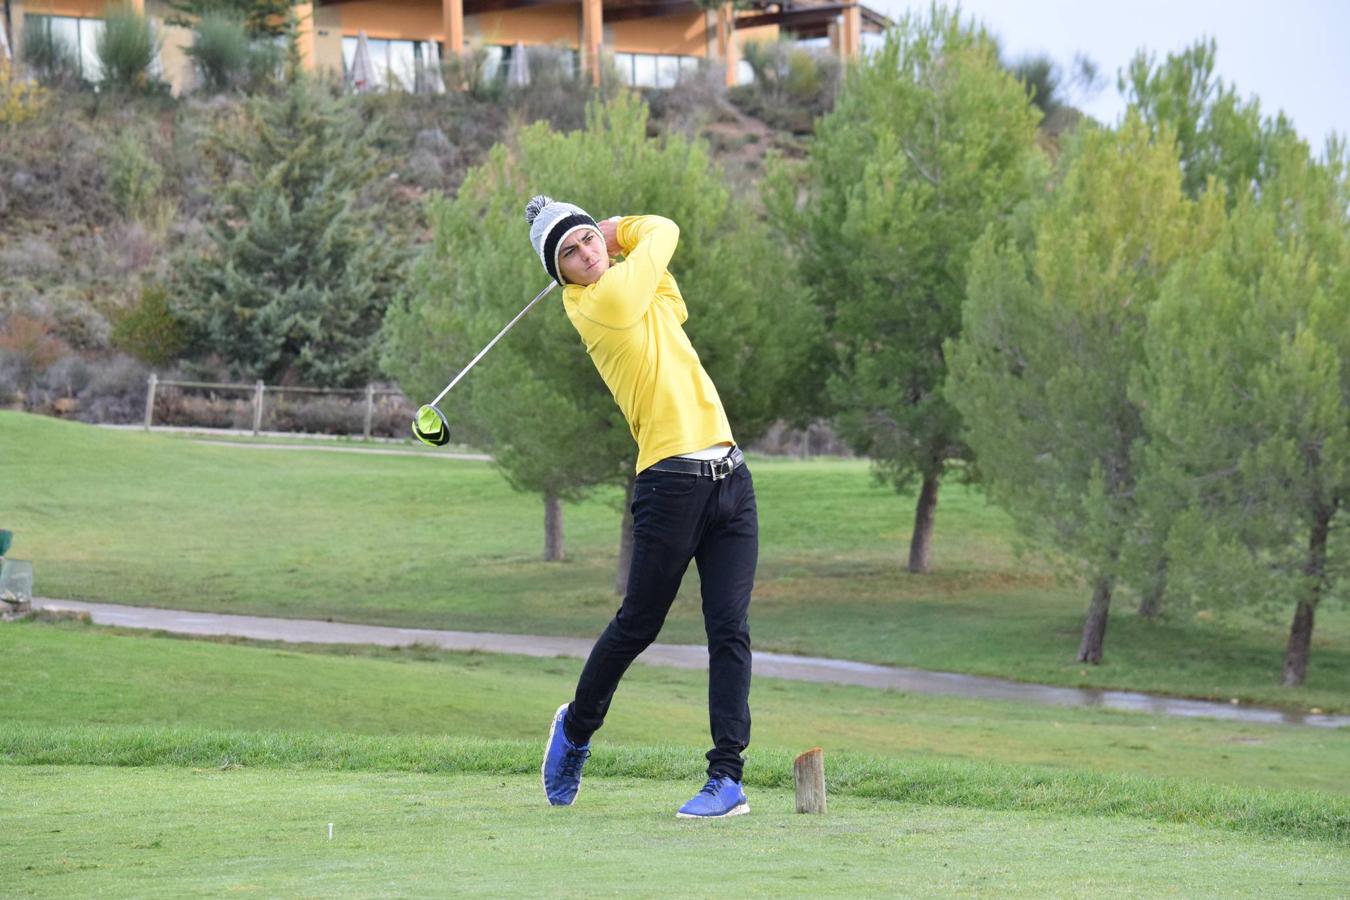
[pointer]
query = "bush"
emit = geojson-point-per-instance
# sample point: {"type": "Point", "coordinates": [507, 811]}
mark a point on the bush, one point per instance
{"type": "Point", "coordinates": [27, 349]}
{"type": "Point", "coordinates": [50, 58]}
{"type": "Point", "coordinates": [19, 99]}
{"type": "Point", "coordinates": [793, 84]}
{"type": "Point", "coordinates": [127, 49]}
{"type": "Point", "coordinates": [470, 71]}
{"type": "Point", "coordinates": [76, 321]}
{"type": "Point", "coordinates": [558, 92]}
{"type": "Point", "coordinates": [265, 59]}
{"type": "Point", "coordinates": [134, 178]}
{"type": "Point", "coordinates": [150, 331]}
{"type": "Point", "coordinates": [221, 52]}
{"type": "Point", "coordinates": [114, 391]}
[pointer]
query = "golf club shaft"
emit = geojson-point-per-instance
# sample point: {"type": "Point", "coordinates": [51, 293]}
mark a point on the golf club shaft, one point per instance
{"type": "Point", "coordinates": [483, 352]}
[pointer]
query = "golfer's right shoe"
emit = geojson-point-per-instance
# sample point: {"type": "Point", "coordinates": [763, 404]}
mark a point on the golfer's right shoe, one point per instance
{"type": "Point", "coordinates": [721, 796]}
{"type": "Point", "coordinates": [562, 763]}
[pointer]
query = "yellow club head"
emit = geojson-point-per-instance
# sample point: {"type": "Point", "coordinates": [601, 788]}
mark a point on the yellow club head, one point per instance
{"type": "Point", "coordinates": [430, 427]}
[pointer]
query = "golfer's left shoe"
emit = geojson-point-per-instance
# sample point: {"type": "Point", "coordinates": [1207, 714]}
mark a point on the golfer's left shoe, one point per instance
{"type": "Point", "coordinates": [563, 761]}
{"type": "Point", "coordinates": [722, 796]}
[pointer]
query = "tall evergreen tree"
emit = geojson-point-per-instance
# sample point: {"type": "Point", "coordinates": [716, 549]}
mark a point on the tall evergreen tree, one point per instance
{"type": "Point", "coordinates": [536, 401]}
{"type": "Point", "coordinates": [1224, 143]}
{"type": "Point", "coordinates": [931, 142]}
{"type": "Point", "coordinates": [302, 268]}
{"type": "Point", "coordinates": [1219, 134]}
{"type": "Point", "coordinates": [1053, 332]}
{"type": "Point", "coordinates": [1248, 402]}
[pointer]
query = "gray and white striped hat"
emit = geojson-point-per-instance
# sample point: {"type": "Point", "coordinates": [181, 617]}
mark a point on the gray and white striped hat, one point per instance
{"type": "Point", "coordinates": [551, 221]}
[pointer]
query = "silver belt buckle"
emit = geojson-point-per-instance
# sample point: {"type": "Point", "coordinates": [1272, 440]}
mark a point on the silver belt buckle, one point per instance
{"type": "Point", "coordinates": [721, 468]}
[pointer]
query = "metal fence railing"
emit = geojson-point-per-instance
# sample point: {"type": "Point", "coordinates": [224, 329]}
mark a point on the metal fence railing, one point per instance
{"type": "Point", "coordinates": [260, 392]}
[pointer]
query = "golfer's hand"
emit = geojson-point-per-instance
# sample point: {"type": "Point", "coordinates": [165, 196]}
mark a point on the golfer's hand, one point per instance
{"type": "Point", "coordinates": [610, 229]}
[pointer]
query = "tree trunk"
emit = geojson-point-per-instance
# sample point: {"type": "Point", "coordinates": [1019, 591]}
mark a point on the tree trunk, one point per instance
{"type": "Point", "coordinates": [1300, 632]}
{"type": "Point", "coordinates": [1300, 639]}
{"type": "Point", "coordinates": [553, 528]}
{"type": "Point", "coordinates": [625, 541]}
{"type": "Point", "coordinates": [922, 539]}
{"type": "Point", "coordinates": [1151, 603]}
{"type": "Point", "coordinates": [1094, 626]}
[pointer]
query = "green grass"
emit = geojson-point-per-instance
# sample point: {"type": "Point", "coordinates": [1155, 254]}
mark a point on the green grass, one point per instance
{"type": "Point", "coordinates": [1301, 814]}
{"type": "Point", "coordinates": [89, 676]}
{"type": "Point", "coordinates": [176, 832]}
{"type": "Point", "coordinates": [154, 520]}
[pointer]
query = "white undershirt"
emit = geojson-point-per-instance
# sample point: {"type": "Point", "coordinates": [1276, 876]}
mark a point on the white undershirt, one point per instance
{"type": "Point", "coordinates": [716, 451]}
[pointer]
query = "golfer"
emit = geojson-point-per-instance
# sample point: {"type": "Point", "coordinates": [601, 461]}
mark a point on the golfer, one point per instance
{"type": "Point", "coordinates": [693, 498]}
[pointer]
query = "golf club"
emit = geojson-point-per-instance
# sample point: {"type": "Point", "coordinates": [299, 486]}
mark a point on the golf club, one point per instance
{"type": "Point", "coordinates": [430, 425]}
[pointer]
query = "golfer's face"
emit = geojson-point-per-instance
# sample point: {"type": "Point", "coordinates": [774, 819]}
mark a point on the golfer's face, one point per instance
{"type": "Point", "coordinates": [582, 259]}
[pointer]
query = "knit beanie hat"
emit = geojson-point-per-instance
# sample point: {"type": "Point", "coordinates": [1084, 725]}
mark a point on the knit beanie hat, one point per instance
{"type": "Point", "coordinates": [551, 221]}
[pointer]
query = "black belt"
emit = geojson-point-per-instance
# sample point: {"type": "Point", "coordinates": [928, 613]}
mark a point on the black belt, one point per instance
{"type": "Point", "coordinates": [716, 469]}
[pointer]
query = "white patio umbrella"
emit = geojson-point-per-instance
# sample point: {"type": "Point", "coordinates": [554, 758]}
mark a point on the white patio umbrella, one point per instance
{"type": "Point", "coordinates": [4, 44]}
{"type": "Point", "coordinates": [518, 73]}
{"type": "Point", "coordinates": [362, 74]}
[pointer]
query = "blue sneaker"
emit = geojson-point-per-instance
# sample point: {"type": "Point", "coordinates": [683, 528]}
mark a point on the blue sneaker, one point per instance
{"type": "Point", "coordinates": [562, 763]}
{"type": "Point", "coordinates": [721, 796]}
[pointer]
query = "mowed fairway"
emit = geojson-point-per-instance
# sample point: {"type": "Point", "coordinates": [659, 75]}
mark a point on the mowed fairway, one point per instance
{"type": "Point", "coordinates": [156, 520]}
{"type": "Point", "coordinates": [96, 677]}
{"type": "Point", "coordinates": [140, 765]}
{"type": "Point", "coordinates": [202, 832]}
{"type": "Point", "coordinates": [135, 764]}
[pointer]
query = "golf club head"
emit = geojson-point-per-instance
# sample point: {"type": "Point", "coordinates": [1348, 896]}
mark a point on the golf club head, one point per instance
{"type": "Point", "coordinates": [430, 427]}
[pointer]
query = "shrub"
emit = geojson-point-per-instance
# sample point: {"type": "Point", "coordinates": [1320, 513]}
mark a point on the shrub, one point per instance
{"type": "Point", "coordinates": [793, 84]}
{"type": "Point", "coordinates": [19, 100]}
{"type": "Point", "coordinates": [127, 48]}
{"type": "Point", "coordinates": [221, 52]}
{"type": "Point", "coordinates": [27, 349]}
{"type": "Point", "coordinates": [51, 58]}
{"type": "Point", "coordinates": [558, 91]}
{"type": "Point", "coordinates": [134, 178]}
{"type": "Point", "coordinates": [114, 391]}
{"type": "Point", "coordinates": [30, 255]}
{"type": "Point", "coordinates": [150, 331]}
{"type": "Point", "coordinates": [265, 59]}
{"type": "Point", "coordinates": [470, 71]}
{"type": "Point", "coordinates": [76, 322]}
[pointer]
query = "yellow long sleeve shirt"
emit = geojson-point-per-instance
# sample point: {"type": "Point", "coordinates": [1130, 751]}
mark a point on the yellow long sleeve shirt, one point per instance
{"type": "Point", "coordinates": [631, 323]}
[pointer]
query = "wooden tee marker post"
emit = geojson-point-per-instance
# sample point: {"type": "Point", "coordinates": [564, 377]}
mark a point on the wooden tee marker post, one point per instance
{"type": "Point", "coordinates": [808, 773]}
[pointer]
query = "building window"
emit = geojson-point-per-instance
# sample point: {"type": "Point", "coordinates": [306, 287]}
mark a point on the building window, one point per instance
{"type": "Point", "coordinates": [654, 70]}
{"type": "Point", "coordinates": [79, 37]}
{"type": "Point", "coordinates": [396, 65]}
{"type": "Point", "coordinates": [566, 61]}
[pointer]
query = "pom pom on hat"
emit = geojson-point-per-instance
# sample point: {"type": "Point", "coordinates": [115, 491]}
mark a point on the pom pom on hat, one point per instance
{"type": "Point", "coordinates": [536, 206]}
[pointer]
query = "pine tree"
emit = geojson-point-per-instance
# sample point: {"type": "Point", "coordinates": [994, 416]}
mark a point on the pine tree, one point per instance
{"type": "Point", "coordinates": [1052, 341]}
{"type": "Point", "coordinates": [930, 142]}
{"type": "Point", "coordinates": [1219, 135]}
{"type": "Point", "coordinates": [302, 270]}
{"type": "Point", "coordinates": [1248, 399]}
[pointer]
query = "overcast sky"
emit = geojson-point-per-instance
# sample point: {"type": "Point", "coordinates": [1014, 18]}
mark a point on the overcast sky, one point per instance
{"type": "Point", "coordinates": [1292, 54]}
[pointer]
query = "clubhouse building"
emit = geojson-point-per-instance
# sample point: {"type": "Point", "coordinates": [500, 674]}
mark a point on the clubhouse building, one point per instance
{"type": "Point", "coordinates": [651, 42]}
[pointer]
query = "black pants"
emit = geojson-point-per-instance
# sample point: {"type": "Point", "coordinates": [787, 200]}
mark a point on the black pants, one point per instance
{"type": "Point", "coordinates": [678, 517]}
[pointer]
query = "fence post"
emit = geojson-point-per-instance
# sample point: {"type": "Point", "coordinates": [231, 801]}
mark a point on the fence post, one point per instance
{"type": "Point", "coordinates": [150, 399]}
{"type": "Point", "coordinates": [370, 410]}
{"type": "Point", "coordinates": [257, 406]}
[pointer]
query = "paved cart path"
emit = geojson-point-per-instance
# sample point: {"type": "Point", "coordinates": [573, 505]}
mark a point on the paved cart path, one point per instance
{"type": "Point", "coordinates": [684, 656]}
